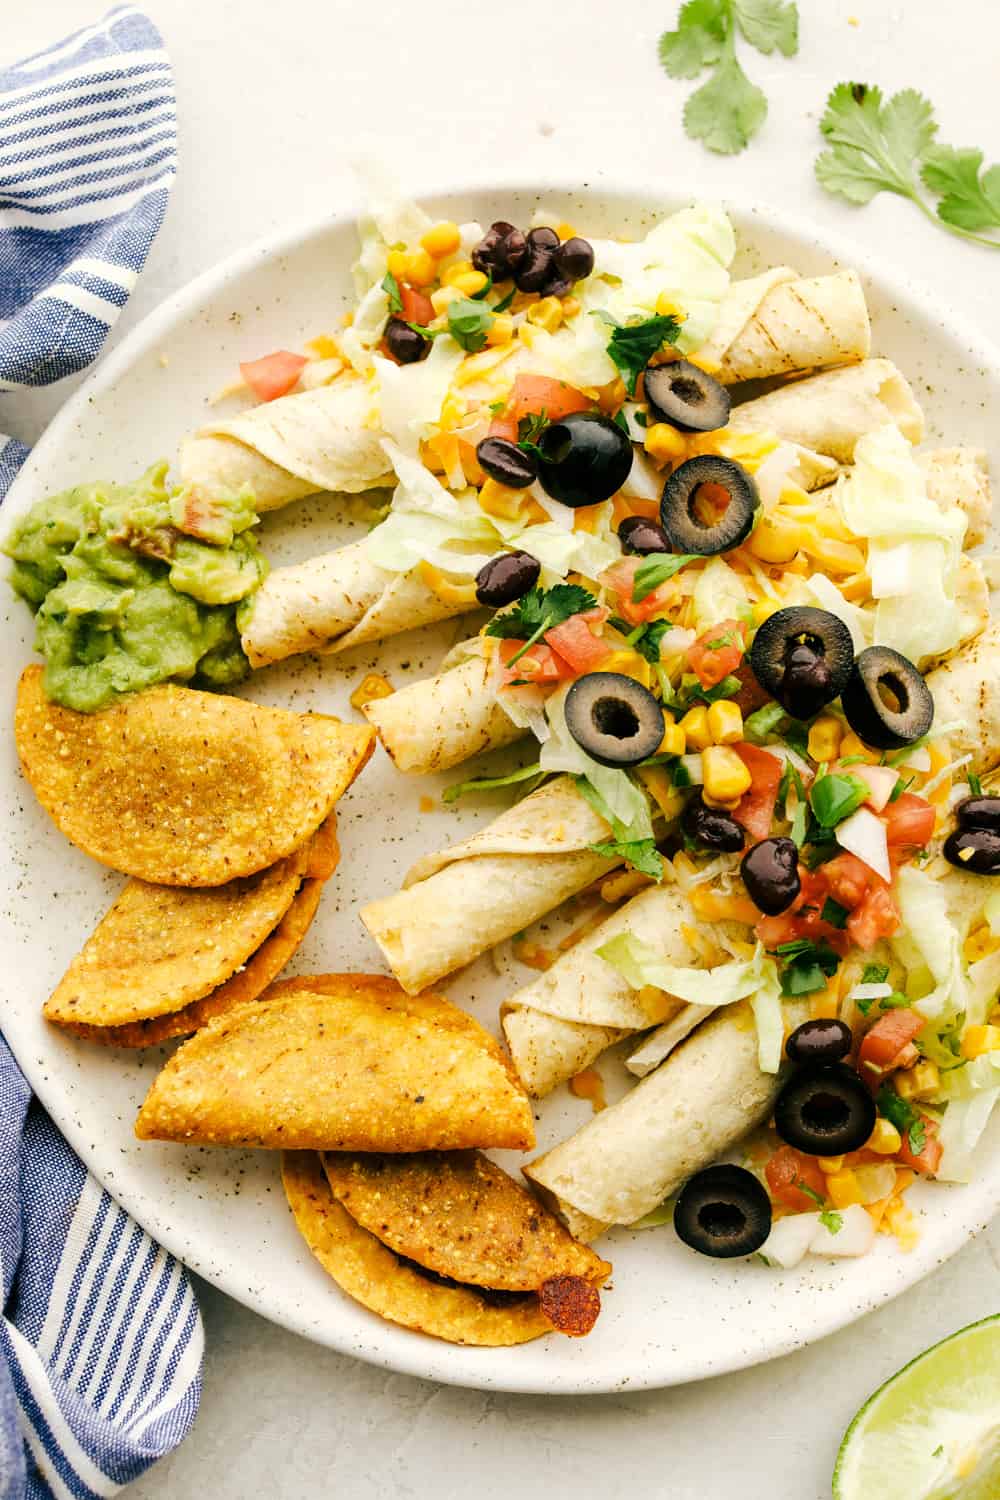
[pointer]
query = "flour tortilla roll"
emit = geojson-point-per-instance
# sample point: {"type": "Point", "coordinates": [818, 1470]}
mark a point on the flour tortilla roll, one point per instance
{"type": "Point", "coordinates": [779, 322]}
{"type": "Point", "coordinates": [967, 688]}
{"type": "Point", "coordinates": [435, 724]}
{"type": "Point", "coordinates": [831, 411]}
{"type": "Point", "coordinates": [564, 1019]}
{"type": "Point", "coordinates": [336, 601]}
{"type": "Point", "coordinates": [626, 1160]}
{"type": "Point", "coordinates": [456, 904]}
{"type": "Point", "coordinates": [316, 440]}
{"type": "Point", "coordinates": [960, 476]}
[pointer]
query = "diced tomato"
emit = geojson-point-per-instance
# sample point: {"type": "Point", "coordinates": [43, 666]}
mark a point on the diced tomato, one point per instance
{"type": "Point", "coordinates": [803, 919]}
{"type": "Point", "coordinates": [751, 695]}
{"type": "Point", "coordinates": [787, 1171]}
{"type": "Point", "coordinates": [416, 307]}
{"type": "Point", "coordinates": [848, 879]}
{"type": "Point", "coordinates": [534, 394]}
{"type": "Point", "coordinates": [621, 579]}
{"type": "Point", "coordinates": [274, 374]}
{"type": "Point", "coordinates": [929, 1159]}
{"type": "Point", "coordinates": [717, 653]}
{"type": "Point", "coordinates": [877, 917]}
{"type": "Point", "coordinates": [887, 1041]}
{"type": "Point", "coordinates": [538, 664]}
{"type": "Point", "coordinates": [504, 427]}
{"type": "Point", "coordinates": [576, 643]}
{"type": "Point", "coordinates": [909, 821]}
{"type": "Point", "coordinates": [756, 807]}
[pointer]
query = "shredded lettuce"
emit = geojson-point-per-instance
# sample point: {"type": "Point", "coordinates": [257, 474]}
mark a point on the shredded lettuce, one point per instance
{"type": "Point", "coordinates": [929, 945]}
{"type": "Point", "coordinates": [975, 1091]}
{"type": "Point", "coordinates": [411, 396]}
{"type": "Point", "coordinates": [914, 546]}
{"type": "Point", "coordinates": [769, 1018]}
{"type": "Point", "coordinates": [640, 964]}
{"type": "Point", "coordinates": [718, 594]}
{"type": "Point", "coordinates": [828, 597]}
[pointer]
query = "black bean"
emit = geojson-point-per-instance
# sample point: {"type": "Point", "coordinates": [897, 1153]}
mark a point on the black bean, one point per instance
{"type": "Point", "coordinates": [636, 534]}
{"type": "Point", "coordinates": [505, 462]}
{"type": "Point", "coordinates": [506, 578]}
{"type": "Point", "coordinates": [404, 343]}
{"type": "Point", "coordinates": [712, 827]}
{"type": "Point", "coordinates": [770, 873]}
{"type": "Point", "coordinates": [500, 251]}
{"type": "Point", "coordinates": [575, 258]}
{"type": "Point", "coordinates": [536, 268]}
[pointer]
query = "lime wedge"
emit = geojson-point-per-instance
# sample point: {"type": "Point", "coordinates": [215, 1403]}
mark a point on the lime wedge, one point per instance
{"type": "Point", "coordinates": [932, 1432]}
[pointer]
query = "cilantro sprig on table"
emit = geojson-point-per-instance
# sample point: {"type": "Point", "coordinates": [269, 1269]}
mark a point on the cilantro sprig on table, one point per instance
{"type": "Point", "coordinates": [537, 611]}
{"type": "Point", "coordinates": [728, 110]}
{"type": "Point", "coordinates": [889, 145]}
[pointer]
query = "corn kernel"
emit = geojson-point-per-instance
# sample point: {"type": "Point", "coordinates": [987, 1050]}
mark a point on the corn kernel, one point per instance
{"type": "Point", "coordinates": [570, 307]}
{"type": "Point", "coordinates": [500, 331]}
{"type": "Point", "coordinates": [441, 239]}
{"type": "Point", "coordinates": [547, 313]}
{"type": "Point", "coordinates": [824, 738]}
{"type": "Point", "coordinates": [843, 1188]}
{"type": "Point", "coordinates": [420, 268]}
{"type": "Point", "coordinates": [695, 727]}
{"type": "Point", "coordinates": [851, 746]}
{"type": "Point", "coordinates": [470, 283]}
{"type": "Point", "coordinates": [565, 231]}
{"type": "Point", "coordinates": [830, 1164]}
{"type": "Point", "coordinates": [674, 741]}
{"type": "Point", "coordinates": [451, 273]}
{"type": "Point", "coordinates": [725, 774]}
{"type": "Point", "coordinates": [372, 686]}
{"type": "Point", "coordinates": [657, 781]}
{"type": "Point", "coordinates": [764, 609]}
{"type": "Point", "coordinates": [776, 539]}
{"type": "Point", "coordinates": [528, 334]}
{"type": "Point", "coordinates": [442, 296]}
{"type": "Point", "coordinates": [725, 804]}
{"type": "Point", "coordinates": [666, 307]}
{"type": "Point", "coordinates": [630, 664]}
{"type": "Point", "coordinates": [725, 722]}
{"type": "Point", "coordinates": [664, 442]}
{"type": "Point", "coordinates": [979, 943]}
{"type": "Point", "coordinates": [397, 264]}
{"type": "Point", "coordinates": [918, 1082]}
{"type": "Point", "coordinates": [885, 1139]}
{"type": "Point", "coordinates": [980, 1039]}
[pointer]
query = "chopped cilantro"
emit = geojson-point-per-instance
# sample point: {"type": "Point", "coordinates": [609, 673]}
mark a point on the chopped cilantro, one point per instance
{"type": "Point", "coordinates": [808, 965]}
{"type": "Point", "coordinates": [834, 913]}
{"type": "Point", "coordinates": [530, 429]}
{"type": "Point", "coordinates": [653, 571]}
{"type": "Point", "coordinates": [538, 611]}
{"type": "Point", "coordinates": [646, 639]}
{"type": "Point", "coordinates": [391, 287]}
{"type": "Point", "coordinates": [796, 737]}
{"type": "Point", "coordinates": [621, 420]}
{"type": "Point", "coordinates": [831, 1220]}
{"type": "Point", "coordinates": [900, 788]}
{"type": "Point", "coordinates": [833, 798]}
{"type": "Point", "coordinates": [875, 974]}
{"type": "Point", "coordinates": [632, 345]}
{"type": "Point", "coordinates": [469, 322]}
{"type": "Point", "coordinates": [907, 1120]}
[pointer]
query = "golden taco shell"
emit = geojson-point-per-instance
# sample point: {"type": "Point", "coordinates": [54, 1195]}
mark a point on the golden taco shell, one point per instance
{"type": "Point", "coordinates": [340, 1063]}
{"type": "Point", "coordinates": [377, 1278]}
{"type": "Point", "coordinates": [459, 1214]}
{"type": "Point", "coordinates": [179, 787]}
{"type": "Point", "coordinates": [247, 984]}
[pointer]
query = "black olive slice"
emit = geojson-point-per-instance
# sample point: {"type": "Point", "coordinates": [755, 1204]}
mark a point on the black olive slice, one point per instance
{"type": "Point", "coordinates": [614, 719]}
{"type": "Point", "coordinates": [683, 506]}
{"type": "Point", "coordinates": [886, 700]}
{"type": "Point", "coordinates": [803, 657]}
{"type": "Point", "coordinates": [583, 458]}
{"type": "Point", "coordinates": [770, 873]}
{"type": "Point", "coordinates": [974, 849]}
{"type": "Point", "coordinates": [684, 396]}
{"type": "Point", "coordinates": [819, 1042]}
{"type": "Point", "coordinates": [723, 1211]}
{"type": "Point", "coordinates": [825, 1111]}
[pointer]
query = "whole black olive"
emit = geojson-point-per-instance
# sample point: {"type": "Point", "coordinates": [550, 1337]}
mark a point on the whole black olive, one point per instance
{"type": "Point", "coordinates": [825, 1111]}
{"type": "Point", "coordinates": [583, 458]}
{"type": "Point", "coordinates": [979, 812]}
{"type": "Point", "coordinates": [819, 1042]}
{"type": "Point", "coordinates": [636, 534]}
{"type": "Point", "coordinates": [614, 719]}
{"type": "Point", "coordinates": [770, 873]}
{"type": "Point", "coordinates": [712, 827]}
{"type": "Point", "coordinates": [684, 396]}
{"type": "Point", "coordinates": [679, 505]}
{"type": "Point", "coordinates": [536, 266]}
{"type": "Point", "coordinates": [723, 1211]}
{"type": "Point", "coordinates": [574, 258]}
{"type": "Point", "coordinates": [886, 700]}
{"type": "Point", "coordinates": [974, 849]}
{"type": "Point", "coordinates": [505, 462]}
{"type": "Point", "coordinates": [500, 251]}
{"type": "Point", "coordinates": [802, 656]}
{"type": "Point", "coordinates": [404, 343]}
{"type": "Point", "coordinates": [506, 578]}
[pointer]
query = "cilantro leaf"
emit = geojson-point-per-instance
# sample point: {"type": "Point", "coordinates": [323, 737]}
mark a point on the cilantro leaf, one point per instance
{"type": "Point", "coordinates": [875, 974]}
{"type": "Point", "coordinates": [391, 287]}
{"type": "Point", "coordinates": [530, 429]}
{"type": "Point", "coordinates": [907, 1120]}
{"type": "Point", "coordinates": [697, 42]}
{"type": "Point", "coordinates": [653, 571]}
{"type": "Point", "coordinates": [833, 798]}
{"type": "Point", "coordinates": [889, 145]}
{"type": "Point", "coordinates": [726, 111]}
{"type": "Point", "coordinates": [808, 966]}
{"type": "Point", "coordinates": [646, 639]}
{"type": "Point", "coordinates": [537, 611]}
{"type": "Point", "coordinates": [469, 322]}
{"type": "Point", "coordinates": [641, 854]}
{"type": "Point", "coordinates": [504, 303]}
{"type": "Point", "coordinates": [969, 196]}
{"type": "Point", "coordinates": [632, 345]}
{"type": "Point", "coordinates": [834, 913]}
{"type": "Point", "coordinates": [490, 783]}
{"type": "Point", "coordinates": [769, 25]}
{"type": "Point", "coordinates": [831, 1220]}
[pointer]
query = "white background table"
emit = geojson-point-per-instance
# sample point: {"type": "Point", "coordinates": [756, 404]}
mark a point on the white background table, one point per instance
{"type": "Point", "coordinates": [275, 97]}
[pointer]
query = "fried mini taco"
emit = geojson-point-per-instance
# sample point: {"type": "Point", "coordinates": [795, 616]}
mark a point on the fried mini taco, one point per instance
{"type": "Point", "coordinates": [340, 1062]}
{"type": "Point", "coordinates": [465, 1201]}
{"type": "Point", "coordinates": [179, 787]}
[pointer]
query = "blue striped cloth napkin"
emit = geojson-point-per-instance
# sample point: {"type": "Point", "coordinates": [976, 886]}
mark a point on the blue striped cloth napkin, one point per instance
{"type": "Point", "coordinates": [101, 1340]}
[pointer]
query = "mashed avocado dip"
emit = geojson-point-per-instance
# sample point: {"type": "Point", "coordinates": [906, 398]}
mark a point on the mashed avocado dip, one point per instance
{"type": "Point", "coordinates": [136, 584]}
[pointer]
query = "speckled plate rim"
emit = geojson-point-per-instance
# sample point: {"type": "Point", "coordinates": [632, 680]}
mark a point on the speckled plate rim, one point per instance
{"type": "Point", "coordinates": [970, 1209]}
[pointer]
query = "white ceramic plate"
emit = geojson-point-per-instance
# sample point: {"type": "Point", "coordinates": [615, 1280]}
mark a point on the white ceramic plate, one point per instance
{"type": "Point", "coordinates": [670, 1316]}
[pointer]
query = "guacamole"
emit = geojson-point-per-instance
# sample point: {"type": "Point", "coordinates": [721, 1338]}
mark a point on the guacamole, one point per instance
{"type": "Point", "coordinates": [136, 584]}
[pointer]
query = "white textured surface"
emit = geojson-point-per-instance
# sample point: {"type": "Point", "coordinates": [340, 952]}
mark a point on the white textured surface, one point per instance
{"type": "Point", "coordinates": [274, 100]}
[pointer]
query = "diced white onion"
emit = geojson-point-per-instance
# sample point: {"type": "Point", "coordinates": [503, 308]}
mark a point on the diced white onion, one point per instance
{"type": "Point", "coordinates": [864, 834]}
{"type": "Point", "coordinates": [855, 1236]}
{"type": "Point", "coordinates": [875, 1180]}
{"type": "Point", "coordinates": [791, 757]}
{"type": "Point", "coordinates": [870, 992]}
{"type": "Point", "coordinates": [880, 781]}
{"type": "Point", "coordinates": [790, 1239]}
{"type": "Point", "coordinates": [917, 760]}
{"type": "Point", "coordinates": [693, 766]}
{"type": "Point", "coordinates": [563, 515]}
